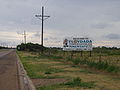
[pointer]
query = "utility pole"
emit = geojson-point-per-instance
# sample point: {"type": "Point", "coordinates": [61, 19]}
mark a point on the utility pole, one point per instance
{"type": "Point", "coordinates": [42, 18]}
{"type": "Point", "coordinates": [24, 34]}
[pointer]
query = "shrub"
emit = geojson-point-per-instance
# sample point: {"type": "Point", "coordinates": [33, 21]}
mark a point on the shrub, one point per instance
{"type": "Point", "coordinates": [77, 82]}
{"type": "Point", "coordinates": [76, 61]}
{"type": "Point", "coordinates": [48, 72]}
{"type": "Point", "coordinates": [98, 65]}
{"type": "Point", "coordinates": [68, 58]}
{"type": "Point", "coordinates": [113, 69]}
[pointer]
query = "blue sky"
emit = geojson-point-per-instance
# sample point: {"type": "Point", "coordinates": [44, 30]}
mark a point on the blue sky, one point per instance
{"type": "Point", "coordinates": [96, 19]}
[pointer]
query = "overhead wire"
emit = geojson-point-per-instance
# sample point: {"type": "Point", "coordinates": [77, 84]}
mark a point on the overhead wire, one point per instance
{"type": "Point", "coordinates": [41, 2]}
{"type": "Point", "coordinates": [45, 2]}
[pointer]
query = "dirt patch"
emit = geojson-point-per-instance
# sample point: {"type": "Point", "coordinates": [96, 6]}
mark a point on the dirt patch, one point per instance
{"type": "Point", "coordinates": [44, 61]}
{"type": "Point", "coordinates": [44, 82]}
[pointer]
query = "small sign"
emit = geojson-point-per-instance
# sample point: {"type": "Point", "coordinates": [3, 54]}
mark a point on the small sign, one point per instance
{"type": "Point", "coordinates": [77, 44]}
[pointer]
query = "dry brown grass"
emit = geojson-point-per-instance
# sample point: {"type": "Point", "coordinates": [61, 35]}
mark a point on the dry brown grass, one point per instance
{"type": "Point", "coordinates": [111, 59]}
{"type": "Point", "coordinates": [102, 81]}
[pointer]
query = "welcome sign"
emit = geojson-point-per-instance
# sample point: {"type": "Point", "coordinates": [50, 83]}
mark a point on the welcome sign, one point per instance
{"type": "Point", "coordinates": [77, 44]}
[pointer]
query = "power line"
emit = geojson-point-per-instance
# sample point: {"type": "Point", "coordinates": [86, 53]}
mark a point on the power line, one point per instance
{"type": "Point", "coordinates": [45, 2]}
{"type": "Point", "coordinates": [41, 2]}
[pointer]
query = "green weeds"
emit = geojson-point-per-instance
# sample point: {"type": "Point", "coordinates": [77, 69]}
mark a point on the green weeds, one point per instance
{"type": "Point", "coordinates": [100, 65]}
{"type": "Point", "coordinates": [35, 70]}
{"type": "Point", "coordinates": [38, 70]}
{"type": "Point", "coordinates": [77, 82]}
{"type": "Point", "coordinates": [51, 87]}
{"type": "Point", "coordinates": [103, 66]}
{"type": "Point", "coordinates": [86, 71]}
{"type": "Point", "coordinates": [76, 61]}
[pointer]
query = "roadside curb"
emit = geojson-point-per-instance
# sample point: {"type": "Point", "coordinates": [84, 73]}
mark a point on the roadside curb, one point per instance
{"type": "Point", "coordinates": [24, 80]}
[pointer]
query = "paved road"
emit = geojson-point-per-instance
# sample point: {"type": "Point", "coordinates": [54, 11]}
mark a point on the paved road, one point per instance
{"type": "Point", "coordinates": [8, 71]}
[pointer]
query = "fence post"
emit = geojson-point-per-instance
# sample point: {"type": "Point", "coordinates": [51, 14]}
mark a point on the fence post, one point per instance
{"type": "Point", "coordinates": [90, 53]}
{"type": "Point", "coordinates": [100, 56]}
{"type": "Point", "coordinates": [71, 57]}
{"type": "Point", "coordinates": [81, 53]}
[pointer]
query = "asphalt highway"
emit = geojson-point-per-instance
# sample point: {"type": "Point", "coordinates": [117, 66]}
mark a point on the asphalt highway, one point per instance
{"type": "Point", "coordinates": [9, 79]}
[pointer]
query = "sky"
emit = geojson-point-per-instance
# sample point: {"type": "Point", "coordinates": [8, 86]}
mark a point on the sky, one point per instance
{"type": "Point", "coordinates": [98, 20]}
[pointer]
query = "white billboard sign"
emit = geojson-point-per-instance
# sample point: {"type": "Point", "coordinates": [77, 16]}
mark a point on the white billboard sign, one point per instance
{"type": "Point", "coordinates": [77, 44]}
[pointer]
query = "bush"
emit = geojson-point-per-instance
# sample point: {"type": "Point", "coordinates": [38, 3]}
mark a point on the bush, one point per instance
{"type": "Point", "coordinates": [76, 61]}
{"type": "Point", "coordinates": [68, 58]}
{"type": "Point", "coordinates": [77, 82]}
{"type": "Point", "coordinates": [113, 69]}
{"type": "Point", "coordinates": [74, 82]}
{"type": "Point", "coordinates": [104, 66]}
{"type": "Point", "coordinates": [98, 65]}
{"type": "Point", "coordinates": [48, 72]}
{"type": "Point", "coordinates": [30, 47]}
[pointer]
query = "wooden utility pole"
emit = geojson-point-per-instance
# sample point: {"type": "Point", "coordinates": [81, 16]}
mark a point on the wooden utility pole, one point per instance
{"type": "Point", "coordinates": [42, 25]}
{"type": "Point", "coordinates": [81, 53]}
{"type": "Point", "coordinates": [90, 53]}
{"type": "Point", "coordinates": [42, 17]}
{"type": "Point", "coordinates": [24, 35]}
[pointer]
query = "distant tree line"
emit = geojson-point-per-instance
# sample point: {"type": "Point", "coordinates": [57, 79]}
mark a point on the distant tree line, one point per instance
{"type": "Point", "coordinates": [107, 50]}
{"type": "Point", "coordinates": [30, 47]}
{"type": "Point", "coordinates": [38, 48]}
{"type": "Point", "coordinates": [1, 47]}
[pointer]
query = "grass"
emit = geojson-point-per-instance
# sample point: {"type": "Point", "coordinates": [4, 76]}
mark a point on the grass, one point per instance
{"type": "Point", "coordinates": [43, 69]}
{"type": "Point", "coordinates": [1, 50]}
{"type": "Point", "coordinates": [49, 57]}
{"type": "Point", "coordinates": [100, 65]}
{"type": "Point", "coordinates": [77, 82]}
{"type": "Point", "coordinates": [103, 66]}
{"type": "Point", "coordinates": [48, 67]}
{"type": "Point", "coordinates": [87, 72]}
{"type": "Point", "coordinates": [52, 87]}
{"type": "Point", "coordinates": [36, 69]}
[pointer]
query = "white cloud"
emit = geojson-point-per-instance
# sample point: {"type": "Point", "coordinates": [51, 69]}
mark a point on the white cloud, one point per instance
{"type": "Point", "coordinates": [113, 36]}
{"type": "Point", "coordinates": [95, 18]}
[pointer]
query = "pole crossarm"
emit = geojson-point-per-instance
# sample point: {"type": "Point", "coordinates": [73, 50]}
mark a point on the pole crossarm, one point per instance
{"type": "Point", "coordinates": [40, 17]}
